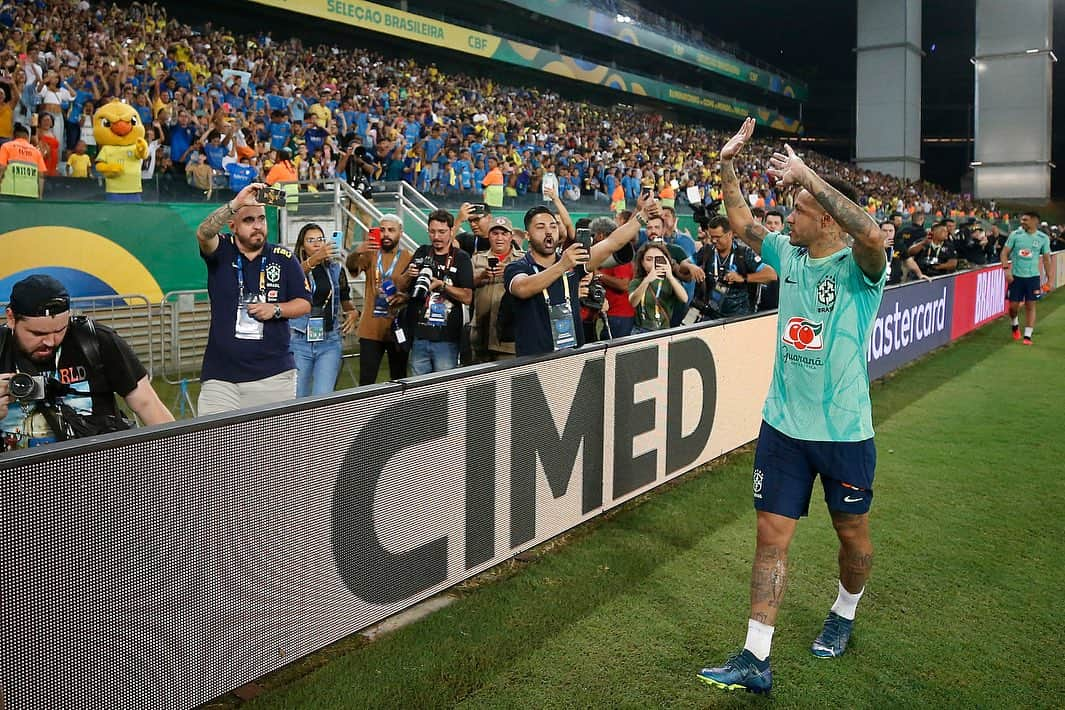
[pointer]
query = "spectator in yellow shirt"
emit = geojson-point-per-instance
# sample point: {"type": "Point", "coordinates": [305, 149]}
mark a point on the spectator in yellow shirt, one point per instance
{"type": "Point", "coordinates": [79, 162]}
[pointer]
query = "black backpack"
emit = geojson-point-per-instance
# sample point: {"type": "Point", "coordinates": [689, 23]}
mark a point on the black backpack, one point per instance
{"type": "Point", "coordinates": [78, 425]}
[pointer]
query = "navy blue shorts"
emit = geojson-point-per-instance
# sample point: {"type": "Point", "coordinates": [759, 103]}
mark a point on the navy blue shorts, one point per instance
{"type": "Point", "coordinates": [785, 468]}
{"type": "Point", "coordinates": [1024, 288]}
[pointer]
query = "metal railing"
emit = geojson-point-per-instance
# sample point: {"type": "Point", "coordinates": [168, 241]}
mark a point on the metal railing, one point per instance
{"type": "Point", "coordinates": [130, 315]}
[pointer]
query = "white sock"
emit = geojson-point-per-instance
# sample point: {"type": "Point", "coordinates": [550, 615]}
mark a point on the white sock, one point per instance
{"type": "Point", "coordinates": [847, 603]}
{"type": "Point", "coordinates": [1015, 321]}
{"type": "Point", "coordinates": [759, 639]}
{"type": "Point", "coordinates": [1027, 332]}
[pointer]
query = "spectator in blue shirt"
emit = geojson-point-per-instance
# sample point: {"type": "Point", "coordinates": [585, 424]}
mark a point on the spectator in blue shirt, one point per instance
{"type": "Point", "coordinates": [280, 130]}
{"type": "Point", "coordinates": [215, 151]}
{"type": "Point", "coordinates": [297, 107]}
{"type": "Point", "coordinates": [241, 174]}
{"type": "Point", "coordinates": [314, 136]}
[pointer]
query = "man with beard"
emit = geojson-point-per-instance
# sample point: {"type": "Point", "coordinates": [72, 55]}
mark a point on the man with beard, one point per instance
{"type": "Point", "coordinates": [443, 289]}
{"type": "Point", "coordinates": [85, 364]}
{"type": "Point", "coordinates": [254, 288]}
{"type": "Point", "coordinates": [378, 331]}
{"type": "Point", "coordinates": [545, 285]}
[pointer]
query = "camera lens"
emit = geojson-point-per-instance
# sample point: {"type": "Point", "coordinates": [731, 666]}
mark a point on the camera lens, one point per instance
{"type": "Point", "coordinates": [21, 385]}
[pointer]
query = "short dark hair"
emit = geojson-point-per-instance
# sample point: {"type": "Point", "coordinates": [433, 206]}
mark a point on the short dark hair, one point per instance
{"type": "Point", "coordinates": [538, 210]}
{"type": "Point", "coordinates": [886, 222]}
{"type": "Point", "coordinates": [20, 130]}
{"type": "Point", "coordinates": [441, 216]}
{"type": "Point", "coordinates": [845, 188]}
{"type": "Point", "coordinates": [719, 221]}
{"type": "Point", "coordinates": [1031, 213]}
{"type": "Point", "coordinates": [774, 213]}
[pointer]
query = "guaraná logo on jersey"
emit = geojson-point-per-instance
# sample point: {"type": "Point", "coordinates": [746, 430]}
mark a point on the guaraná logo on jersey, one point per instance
{"type": "Point", "coordinates": [803, 334]}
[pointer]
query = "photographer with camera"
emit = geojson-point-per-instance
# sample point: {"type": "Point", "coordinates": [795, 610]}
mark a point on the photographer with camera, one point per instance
{"type": "Point", "coordinates": [441, 291]}
{"type": "Point", "coordinates": [359, 166]}
{"type": "Point", "coordinates": [730, 266]}
{"type": "Point", "coordinates": [545, 284]}
{"type": "Point", "coordinates": [59, 374]}
{"type": "Point", "coordinates": [936, 254]}
{"type": "Point", "coordinates": [255, 287]}
{"type": "Point", "coordinates": [488, 343]}
{"type": "Point", "coordinates": [380, 328]}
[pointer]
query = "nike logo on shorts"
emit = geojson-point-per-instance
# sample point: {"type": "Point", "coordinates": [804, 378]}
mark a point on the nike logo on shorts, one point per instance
{"type": "Point", "coordinates": [848, 499]}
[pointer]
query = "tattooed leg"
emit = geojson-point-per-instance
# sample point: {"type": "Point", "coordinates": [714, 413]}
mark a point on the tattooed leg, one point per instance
{"type": "Point", "coordinates": [855, 550]}
{"type": "Point", "coordinates": [769, 573]}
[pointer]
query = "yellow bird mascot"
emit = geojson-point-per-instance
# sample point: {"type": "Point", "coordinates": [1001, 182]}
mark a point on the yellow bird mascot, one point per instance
{"type": "Point", "coordinates": [119, 133]}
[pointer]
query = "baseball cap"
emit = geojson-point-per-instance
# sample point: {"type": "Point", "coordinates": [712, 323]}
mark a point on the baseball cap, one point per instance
{"type": "Point", "coordinates": [39, 295]}
{"type": "Point", "coordinates": [500, 223]}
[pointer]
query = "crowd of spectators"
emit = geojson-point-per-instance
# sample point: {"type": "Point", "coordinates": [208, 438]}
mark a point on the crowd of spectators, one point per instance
{"type": "Point", "coordinates": [223, 109]}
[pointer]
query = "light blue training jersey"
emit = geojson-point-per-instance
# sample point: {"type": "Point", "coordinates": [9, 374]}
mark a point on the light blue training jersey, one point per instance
{"type": "Point", "coordinates": [820, 386]}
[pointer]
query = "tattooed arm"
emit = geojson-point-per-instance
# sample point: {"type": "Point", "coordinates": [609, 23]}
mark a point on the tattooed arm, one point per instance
{"type": "Point", "coordinates": [868, 247]}
{"type": "Point", "coordinates": [207, 232]}
{"type": "Point", "coordinates": [740, 218]}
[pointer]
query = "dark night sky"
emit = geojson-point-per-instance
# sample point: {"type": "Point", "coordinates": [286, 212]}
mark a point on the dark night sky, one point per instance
{"type": "Point", "coordinates": [815, 41]}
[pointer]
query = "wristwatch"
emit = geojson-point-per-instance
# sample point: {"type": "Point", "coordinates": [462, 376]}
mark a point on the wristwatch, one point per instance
{"type": "Point", "coordinates": [277, 312]}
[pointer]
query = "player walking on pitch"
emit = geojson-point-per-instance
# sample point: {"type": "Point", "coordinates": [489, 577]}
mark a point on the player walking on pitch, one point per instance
{"type": "Point", "coordinates": [1026, 248]}
{"type": "Point", "coordinates": [817, 416]}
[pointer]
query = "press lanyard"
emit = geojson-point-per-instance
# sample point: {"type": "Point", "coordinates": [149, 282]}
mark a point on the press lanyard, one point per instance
{"type": "Point", "coordinates": [314, 282]}
{"type": "Point", "coordinates": [565, 287]}
{"type": "Point", "coordinates": [383, 275]}
{"type": "Point", "coordinates": [240, 273]}
{"type": "Point", "coordinates": [717, 264]}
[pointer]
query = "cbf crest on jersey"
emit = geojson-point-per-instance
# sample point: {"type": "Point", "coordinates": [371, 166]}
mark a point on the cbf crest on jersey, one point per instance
{"type": "Point", "coordinates": [273, 273]}
{"type": "Point", "coordinates": [826, 294]}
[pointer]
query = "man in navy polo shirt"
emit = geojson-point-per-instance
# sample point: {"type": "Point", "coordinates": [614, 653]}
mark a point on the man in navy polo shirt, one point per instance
{"type": "Point", "coordinates": [545, 285]}
{"type": "Point", "coordinates": [255, 287]}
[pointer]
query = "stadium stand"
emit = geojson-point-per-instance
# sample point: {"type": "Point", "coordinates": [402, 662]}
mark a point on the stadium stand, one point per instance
{"type": "Point", "coordinates": [259, 94]}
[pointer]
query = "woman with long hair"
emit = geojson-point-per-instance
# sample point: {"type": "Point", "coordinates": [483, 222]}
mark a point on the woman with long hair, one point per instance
{"type": "Point", "coordinates": [316, 338]}
{"type": "Point", "coordinates": [655, 291]}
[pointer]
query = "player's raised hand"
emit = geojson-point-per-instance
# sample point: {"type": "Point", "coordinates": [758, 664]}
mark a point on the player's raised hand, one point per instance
{"type": "Point", "coordinates": [736, 143]}
{"type": "Point", "coordinates": [788, 167]}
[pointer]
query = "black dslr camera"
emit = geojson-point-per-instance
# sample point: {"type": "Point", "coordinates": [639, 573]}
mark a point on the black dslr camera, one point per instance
{"type": "Point", "coordinates": [596, 295]}
{"type": "Point", "coordinates": [703, 211]}
{"type": "Point", "coordinates": [426, 274]}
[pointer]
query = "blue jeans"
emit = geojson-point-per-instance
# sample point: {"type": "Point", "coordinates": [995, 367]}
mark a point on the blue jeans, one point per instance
{"type": "Point", "coordinates": [433, 356]}
{"type": "Point", "coordinates": [317, 364]}
{"type": "Point", "coordinates": [620, 326]}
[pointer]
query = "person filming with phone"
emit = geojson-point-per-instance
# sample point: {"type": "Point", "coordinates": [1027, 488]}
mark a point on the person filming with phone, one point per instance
{"type": "Point", "coordinates": [255, 287]}
{"type": "Point", "coordinates": [488, 342]}
{"type": "Point", "coordinates": [545, 284]}
{"type": "Point", "coordinates": [316, 340]}
{"type": "Point", "coordinates": [654, 292]}
{"type": "Point", "coordinates": [380, 329]}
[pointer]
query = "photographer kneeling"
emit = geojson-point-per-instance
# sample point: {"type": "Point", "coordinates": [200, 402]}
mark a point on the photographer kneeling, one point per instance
{"type": "Point", "coordinates": [60, 374]}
